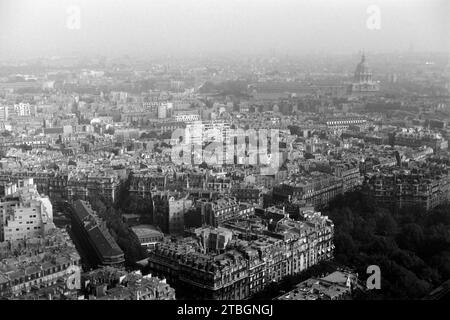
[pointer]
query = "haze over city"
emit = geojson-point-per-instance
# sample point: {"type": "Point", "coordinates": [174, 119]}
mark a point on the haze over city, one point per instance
{"type": "Point", "coordinates": [36, 28]}
{"type": "Point", "coordinates": [247, 151]}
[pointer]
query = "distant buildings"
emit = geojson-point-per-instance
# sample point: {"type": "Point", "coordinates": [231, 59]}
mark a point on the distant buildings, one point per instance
{"type": "Point", "coordinates": [16, 111]}
{"type": "Point", "coordinates": [363, 84]}
{"type": "Point", "coordinates": [217, 225]}
{"type": "Point", "coordinates": [203, 132]}
{"type": "Point", "coordinates": [24, 109]}
{"type": "Point", "coordinates": [417, 139]}
{"type": "Point", "coordinates": [4, 113]}
{"type": "Point", "coordinates": [186, 115]}
{"type": "Point", "coordinates": [158, 109]}
{"type": "Point", "coordinates": [345, 123]}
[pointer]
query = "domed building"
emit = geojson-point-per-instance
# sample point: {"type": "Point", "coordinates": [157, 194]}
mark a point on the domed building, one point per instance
{"type": "Point", "coordinates": [363, 85]}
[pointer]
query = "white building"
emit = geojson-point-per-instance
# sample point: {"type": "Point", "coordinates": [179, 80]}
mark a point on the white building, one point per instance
{"type": "Point", "coordinates": [24, 213]}
{"type": "Point", "coordinates": [187, 117]}
{"type": "Point", "coordinates": [162, 111]}
{"type": "Point", "coordinates": [200, 132]}
{"type": "Point", "coordinates": [3, 113]}
{"type": "Point", "coordinates": [24, 109]}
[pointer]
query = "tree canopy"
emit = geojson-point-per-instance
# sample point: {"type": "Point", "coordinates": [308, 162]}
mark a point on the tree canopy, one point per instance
{"type": "Point", "coordinates": [411, 246]}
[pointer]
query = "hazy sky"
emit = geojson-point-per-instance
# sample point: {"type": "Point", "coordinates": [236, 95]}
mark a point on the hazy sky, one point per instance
{"type": "Point", "coordinates": [30, 28]}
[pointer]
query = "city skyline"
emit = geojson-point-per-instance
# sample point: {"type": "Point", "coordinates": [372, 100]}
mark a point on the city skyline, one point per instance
{"type": "Point", "coordinates": [242, 150]}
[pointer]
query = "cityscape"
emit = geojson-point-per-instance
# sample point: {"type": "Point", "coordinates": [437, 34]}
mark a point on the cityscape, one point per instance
{"type": "Point", "coordinates": [252, 175]}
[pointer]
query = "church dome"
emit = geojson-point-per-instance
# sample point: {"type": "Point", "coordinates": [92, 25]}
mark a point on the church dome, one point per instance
{"type": "Point", "coordinates": [363, 66]}
{"type": "Point", "coordinates": [363, 72]}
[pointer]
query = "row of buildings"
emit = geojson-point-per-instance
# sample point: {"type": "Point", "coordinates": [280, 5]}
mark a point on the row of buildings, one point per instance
{"type": "Point", "coordinates": [338, 285]}
{"type": "Point", "coordinates": [68, 186]}
{"type": "Point", "coordinates": [243, 255]}
{"type": "Point", "coordinates": [316, 189]}
{"type": "Point", "coordinates": [38, 264]}
{"type": "Point", "coordinates": [422, 187]}
{"type": "Point", "coordinates": [39, 261]}
{"type": "Point", "coordinates": [109, 283]}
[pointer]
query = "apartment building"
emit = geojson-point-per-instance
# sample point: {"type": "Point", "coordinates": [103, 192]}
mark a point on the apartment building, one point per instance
{"type": "Point", "coordinates": [24, 213]}
{"type": "Point", "coordinates": [316, 189]}
{"type": "Point", "coordinates": [33, 265]}
{"type": "Point", "coordinates": [236, 268]}
{"type": "Point", "coordinates": [406, 188]}
{"type": "Point", "coordinates": [169, 211]}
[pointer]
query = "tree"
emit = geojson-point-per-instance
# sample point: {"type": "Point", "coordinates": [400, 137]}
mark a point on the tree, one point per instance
{"type": "Point", "coordinates": [441, 262]}
{"type": "Point", "coordinates": [386, 225]}
{"type": "Point", "coordinates": [411, 236]}
{"type": "Point", "coordinates": [410, 247]}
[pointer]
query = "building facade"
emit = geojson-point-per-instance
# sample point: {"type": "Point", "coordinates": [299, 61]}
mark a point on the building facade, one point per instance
{"type": "Point", "coordinates": [24, 213]}
{"type": "Point", "coordinates": [241, 268]}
